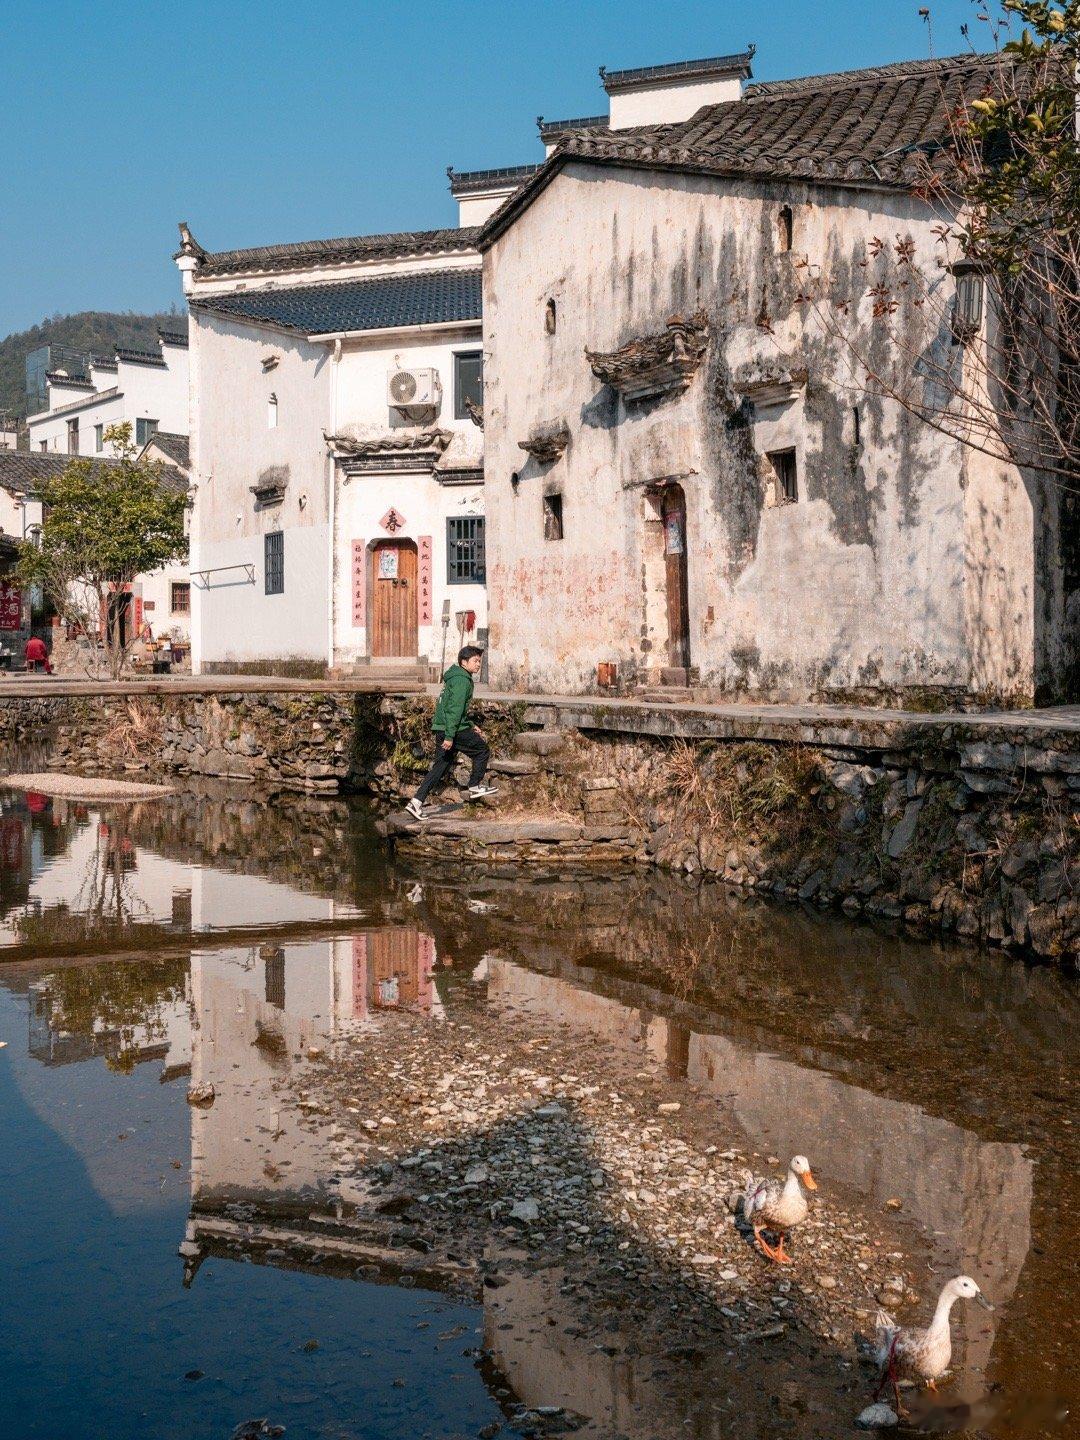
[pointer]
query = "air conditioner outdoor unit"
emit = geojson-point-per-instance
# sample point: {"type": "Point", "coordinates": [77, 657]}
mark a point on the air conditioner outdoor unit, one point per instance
{"type": "Point", "coordinates": [413, 389]}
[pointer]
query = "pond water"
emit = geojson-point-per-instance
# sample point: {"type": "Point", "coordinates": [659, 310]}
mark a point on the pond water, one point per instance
{"type": "Point", "coordinates": [175, 1271]}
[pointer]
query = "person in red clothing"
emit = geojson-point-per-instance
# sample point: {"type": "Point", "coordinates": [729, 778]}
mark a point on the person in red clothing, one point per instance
{"type": "Point", "coordinates": [36, 655]}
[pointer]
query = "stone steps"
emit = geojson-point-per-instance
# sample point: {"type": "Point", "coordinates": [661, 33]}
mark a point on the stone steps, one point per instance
{"type": "Point", "coordinates": [523, 765]}
{"type": "Point", "coordinates": [538, 742]}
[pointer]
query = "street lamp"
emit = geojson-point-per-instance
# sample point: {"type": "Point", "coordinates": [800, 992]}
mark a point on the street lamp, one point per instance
{"type": "Point", "coordinates": [968, 308]}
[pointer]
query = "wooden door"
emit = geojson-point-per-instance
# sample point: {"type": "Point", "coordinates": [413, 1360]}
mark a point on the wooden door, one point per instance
{"type": "Point", "coordinates": [394, 598]}
{"type": "Point", "coordinates": [673, 512]}
{"type": "Point", "coordinates": [393, 969]}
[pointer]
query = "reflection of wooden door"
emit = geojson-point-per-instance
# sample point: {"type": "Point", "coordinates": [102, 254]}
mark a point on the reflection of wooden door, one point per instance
{"type": "Point", "coordinates": [394, 596]}
{"type": "Point", "coordinates": [673, 512]}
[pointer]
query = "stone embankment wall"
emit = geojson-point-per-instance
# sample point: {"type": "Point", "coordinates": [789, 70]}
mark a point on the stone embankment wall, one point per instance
{"type": "Point", "coordinates": [308, 742]}
{"type": "Point", "coordinates": [950, 828]}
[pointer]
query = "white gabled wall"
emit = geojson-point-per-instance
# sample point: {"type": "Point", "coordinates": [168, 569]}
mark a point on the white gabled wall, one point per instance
{"type": "Point", "coordinates": [234, 621]}
{"type": "Point", "coordinates": [361, 502]}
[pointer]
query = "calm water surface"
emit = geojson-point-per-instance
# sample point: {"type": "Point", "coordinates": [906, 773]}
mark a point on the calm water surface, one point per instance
{"type": "Point", "coordinates": [212, 938]}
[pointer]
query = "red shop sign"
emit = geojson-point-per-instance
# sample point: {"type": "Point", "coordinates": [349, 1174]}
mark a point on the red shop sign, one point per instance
{"type": "Point", "coordinates": [10, 605]}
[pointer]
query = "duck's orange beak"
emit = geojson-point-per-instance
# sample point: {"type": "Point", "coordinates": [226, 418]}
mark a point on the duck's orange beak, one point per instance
{"type": "Point", "coordinates": [809, 1181]}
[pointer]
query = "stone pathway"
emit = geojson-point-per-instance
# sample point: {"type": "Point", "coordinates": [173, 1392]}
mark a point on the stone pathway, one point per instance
{"type": "Point", "coordinates": [836, 724]}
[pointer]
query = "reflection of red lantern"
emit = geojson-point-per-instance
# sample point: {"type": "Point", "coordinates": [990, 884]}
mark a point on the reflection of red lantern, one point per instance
{"type": "Point", "coordinates": [35, 802]}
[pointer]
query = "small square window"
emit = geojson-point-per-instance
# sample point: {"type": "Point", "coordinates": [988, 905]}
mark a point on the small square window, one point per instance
{"type": "Point", "coordinates": [274, 562]}
{"type": "Point", "coordinates": [553, 517]}
{"type": "Point", "coordinates": [787, 474]}
{"type": "Point", "coordinates": [465, 559]}
{"type": "Point", "coordinates": [468, 381]}
{"type": "Point", "coordinates": [143, 430]}
{"type": "Point", "coordinates": [180, 599]}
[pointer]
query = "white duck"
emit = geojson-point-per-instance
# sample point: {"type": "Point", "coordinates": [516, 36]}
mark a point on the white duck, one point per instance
{"type": "Point", "coordinates": [768, 1205]}
{"type": "Point", "coordinates": [906, 1352]}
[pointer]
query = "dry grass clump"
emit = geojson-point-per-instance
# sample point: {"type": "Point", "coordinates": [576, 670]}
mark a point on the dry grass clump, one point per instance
{"type": "Point", "coordinates": [744, 787]}
{"type": "Point", "coordinates": [135, 734]}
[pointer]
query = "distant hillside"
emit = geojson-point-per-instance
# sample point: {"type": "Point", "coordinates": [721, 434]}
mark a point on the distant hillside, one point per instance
{"type": "Point", "coordinates": [92, 330]}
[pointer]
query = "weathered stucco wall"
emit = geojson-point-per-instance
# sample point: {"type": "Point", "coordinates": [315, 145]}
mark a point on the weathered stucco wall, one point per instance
{"type": "Point", "coordinates": [886, 574]}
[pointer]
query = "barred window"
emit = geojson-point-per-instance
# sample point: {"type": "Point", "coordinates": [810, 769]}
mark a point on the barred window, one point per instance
{"type": "Point", "coordinates": [274, 556]}
{"type": "Point", "coordinates": [465, 563]}
{"type": "Point", "coordinates": [180, 598]}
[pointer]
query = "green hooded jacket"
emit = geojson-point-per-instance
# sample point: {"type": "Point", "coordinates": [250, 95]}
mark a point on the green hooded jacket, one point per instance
{"type": "Point", "coordinates": [456, 693]}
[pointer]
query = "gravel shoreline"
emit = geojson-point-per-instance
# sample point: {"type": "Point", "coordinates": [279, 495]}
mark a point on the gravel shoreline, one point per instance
{"type": "Point", "coordinates": [523, 1147]}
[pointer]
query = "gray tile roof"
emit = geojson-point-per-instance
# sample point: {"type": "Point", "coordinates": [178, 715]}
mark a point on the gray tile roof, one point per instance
{"type": "Point", "coordinates": [72, 382]}
{"type": "Point", "coordinates": [140, 357]}
{"type": "Point", "coordinates": [173, 337]}
{"type": "Point", "coordinates": [336, 252]}
{"type": "Point", "coordinates": [615, 80]}
{"type": "Point", "coordinates": [176, 447]}
{"type": "Point", "coordinates": [550, 129]}
{"type": "Point", "coordinates": [873, 127]}
{"type": "Point", "coordinates": [21, 471]}
{"type": "Point", "coordinates": [468, 182]}
{"type": "Point", "coordinates": [425, 297]}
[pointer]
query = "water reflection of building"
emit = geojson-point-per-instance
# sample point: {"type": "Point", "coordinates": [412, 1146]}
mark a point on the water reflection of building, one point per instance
{"type": "Point", "coordinates": [973, 1196]}
{"type": "Point", "coordinates": [258, 1010]}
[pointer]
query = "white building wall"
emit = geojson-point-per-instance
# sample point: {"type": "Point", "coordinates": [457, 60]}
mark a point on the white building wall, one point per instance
{"type": "Point", "coordinates": [862, 582]}
{"type": "Point", "coordinates": [669, 104]}
{"type": "Point", "coordinates": [142, 392]}
{"type": "Point", "coordinates": [234, 622]}
{"type": "Point", "coordinates": [361, 502]}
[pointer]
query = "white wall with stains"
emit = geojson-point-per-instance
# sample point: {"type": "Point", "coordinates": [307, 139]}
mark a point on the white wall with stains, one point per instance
{"type": "Point", "coordinates": [900, 565]}
{"type": "Point", "coordinates": [235, 369]}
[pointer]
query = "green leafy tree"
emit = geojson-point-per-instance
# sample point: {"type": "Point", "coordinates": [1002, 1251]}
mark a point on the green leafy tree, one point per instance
{"type": "Point", "coordinates": [105, 522]}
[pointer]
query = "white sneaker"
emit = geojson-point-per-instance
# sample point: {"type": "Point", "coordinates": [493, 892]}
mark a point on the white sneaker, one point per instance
{"type": "Point", "coordinates": [477, 792]}
{"type": "Point", "coordinates": [416, 809]}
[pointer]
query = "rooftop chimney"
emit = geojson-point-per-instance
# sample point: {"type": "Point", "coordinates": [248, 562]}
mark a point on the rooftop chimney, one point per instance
{"type": "Point", "coordinates": [668, 94]}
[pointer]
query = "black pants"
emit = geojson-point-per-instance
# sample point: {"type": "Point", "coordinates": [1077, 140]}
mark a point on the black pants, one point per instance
{"type": "Point", "coordinates": [468, 742]}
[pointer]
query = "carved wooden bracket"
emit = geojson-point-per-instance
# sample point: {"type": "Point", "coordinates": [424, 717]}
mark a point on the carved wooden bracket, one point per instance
{"type": "Point", "coordinates": [546, 447]}
{"type": "Point", "coordinates": [650, 365]}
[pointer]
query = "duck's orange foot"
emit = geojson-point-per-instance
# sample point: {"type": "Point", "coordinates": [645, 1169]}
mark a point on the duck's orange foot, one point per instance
{"type": "Point", "coordinates": [781, 1255]}
{"type": "Point", "coordinates": [766, 1248]}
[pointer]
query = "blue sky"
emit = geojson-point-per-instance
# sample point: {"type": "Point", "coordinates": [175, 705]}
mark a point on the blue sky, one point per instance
{"type": "Point", "coordinates": [265, 122]}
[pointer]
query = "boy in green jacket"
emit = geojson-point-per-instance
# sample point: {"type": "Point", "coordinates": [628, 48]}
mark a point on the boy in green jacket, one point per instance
{"type": "Point", "coordinates": [454, 732]}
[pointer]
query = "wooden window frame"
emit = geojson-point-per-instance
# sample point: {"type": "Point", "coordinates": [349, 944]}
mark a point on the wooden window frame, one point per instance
{"type": "Point", "coordinates": [174, 586]}
{"type": "Point", "coordinates": [787, 480]}
{"type": "Point", "coordinates": [555, 512]}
